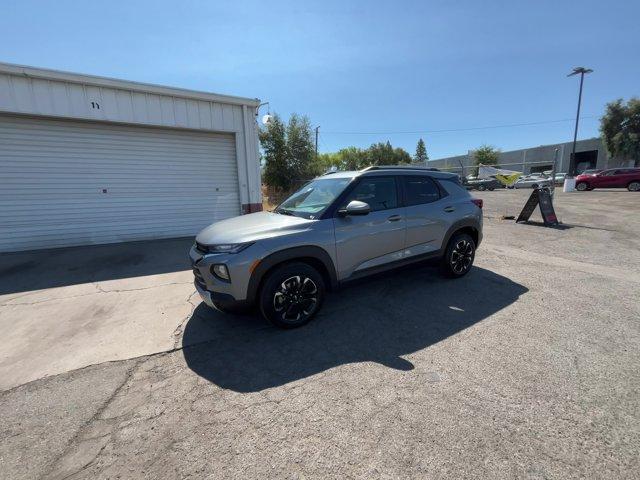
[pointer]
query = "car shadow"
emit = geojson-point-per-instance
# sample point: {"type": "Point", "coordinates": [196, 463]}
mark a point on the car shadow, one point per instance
{"type": "Point", "coordinates": [377, 320]}
{"type": "Point", "coordinates": [59, 267]}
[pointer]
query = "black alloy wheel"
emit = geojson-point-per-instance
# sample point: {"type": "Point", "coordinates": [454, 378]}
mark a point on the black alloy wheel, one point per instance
{"type": "Point", "coordinates": [291, 295]}
{"type": "Point", "coordinates": [459, 256]}
{"type": "Point", "coordinates": [297, 297]}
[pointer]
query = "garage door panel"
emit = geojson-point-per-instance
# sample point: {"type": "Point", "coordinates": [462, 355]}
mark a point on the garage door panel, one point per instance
{"type": "Point", "coordinates": [159, 183]}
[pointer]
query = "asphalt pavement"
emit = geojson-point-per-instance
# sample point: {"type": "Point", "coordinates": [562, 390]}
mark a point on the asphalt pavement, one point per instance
{"type": "Point", "coordinates": [526, 368]}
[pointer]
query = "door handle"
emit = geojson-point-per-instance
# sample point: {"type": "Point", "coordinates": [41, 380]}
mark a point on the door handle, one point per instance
{"type": "Point", "coordinates": [450, 209]}
{"type": "Point", "coordinates": [394, 218]}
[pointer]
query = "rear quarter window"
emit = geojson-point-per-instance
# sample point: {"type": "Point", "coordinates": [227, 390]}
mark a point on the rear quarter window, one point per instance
{"type": "Point", "coordinates": [452, 187]}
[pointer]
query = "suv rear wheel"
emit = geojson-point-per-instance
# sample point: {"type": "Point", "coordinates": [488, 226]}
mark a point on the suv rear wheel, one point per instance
{"type": "Point", "coordinates": [291, 295]}
{"type": "Point", "coordinates": [459, 256]}
{"type": "Point", "coordinates": [582, 186]}
{"type": "Point", "coordinates": [634, 187]}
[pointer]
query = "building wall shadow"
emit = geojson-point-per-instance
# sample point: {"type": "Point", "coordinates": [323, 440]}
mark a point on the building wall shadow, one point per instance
{"type": "Point", "coordinates": [376, 320]}
{"type": "Point", "coordinates": [59, 267]}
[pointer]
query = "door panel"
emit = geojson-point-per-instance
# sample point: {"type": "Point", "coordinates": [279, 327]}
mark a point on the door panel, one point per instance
{"type": "Point", "coordinates": [369, 240]}
{"type": "Point", "coordinates": [427, 215]}
{"type": "Point", "coordinates": [377, 238]}
{"type": "Point", "coordinates": [426, 227]}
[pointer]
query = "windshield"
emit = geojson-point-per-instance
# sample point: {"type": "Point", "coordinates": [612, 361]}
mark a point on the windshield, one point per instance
{"type": "Point", "coordinates": [313, 198]}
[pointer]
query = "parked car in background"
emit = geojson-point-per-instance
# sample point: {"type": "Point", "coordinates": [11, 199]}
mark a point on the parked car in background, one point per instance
{"type": "Point", "coordinates": [532, 181]}
{"type": "Point", "coordinates": [559, 178]}
{"type": "Point", "coordinates": [628, 178]}
{"type": "Point", "coordinates": [482, 184]}
{"type": "Point", "coordinates": [336, 228]}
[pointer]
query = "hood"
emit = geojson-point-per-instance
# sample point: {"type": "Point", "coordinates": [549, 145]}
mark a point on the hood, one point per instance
{"type": "Point", "coordinates": [251, 227]}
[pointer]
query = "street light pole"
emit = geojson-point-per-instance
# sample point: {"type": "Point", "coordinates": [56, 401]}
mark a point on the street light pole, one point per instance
{"type": "Point", "coordinates": [572, 161]}
{"type": "Point", "coordinates": [317, 128]}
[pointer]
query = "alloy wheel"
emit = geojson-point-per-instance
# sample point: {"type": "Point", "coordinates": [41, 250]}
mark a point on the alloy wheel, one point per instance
{"type": "Point", "coordinates": [296, 298]}
{"type": "Point", "coordinates": [461, 256]}
{"type": "Point", "coordinates": [634, 187]}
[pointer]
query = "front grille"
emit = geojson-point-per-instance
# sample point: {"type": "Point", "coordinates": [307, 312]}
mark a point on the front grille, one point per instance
{"type": "Point", "coordinates": [199, 278]}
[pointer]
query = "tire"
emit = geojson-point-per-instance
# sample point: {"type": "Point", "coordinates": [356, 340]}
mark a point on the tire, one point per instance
{"type": "Point", "coordinates": [481, 188]}
{"type": "Point", "coordinates": [634, 186]}
{"type": "Point", "coordinates": [535, 185]}
{"type": "Point", "coordinates": [491, 189]}
{"type": "Point", "coordinates": [582, 186]}
{"type": "Point", "coordinates": [291, 295]}
{"type": "Point", "coordinates": [453, 266]}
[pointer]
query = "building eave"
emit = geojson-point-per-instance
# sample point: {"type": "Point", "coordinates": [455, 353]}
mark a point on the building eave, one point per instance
{"type": "Point", "coordinates": [47, 74]}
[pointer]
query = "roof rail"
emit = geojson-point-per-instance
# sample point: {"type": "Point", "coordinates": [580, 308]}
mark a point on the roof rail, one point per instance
{"type": "Point", "coordinates": [399, 167]}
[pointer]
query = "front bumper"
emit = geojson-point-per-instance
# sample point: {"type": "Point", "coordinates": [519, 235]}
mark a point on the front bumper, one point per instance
{"type": "Point", "coordinates": [205, 295]}
{"type": "Point", "coordinates": [214, 290]}
{"type": "Point", "coordinates": [216, 299]}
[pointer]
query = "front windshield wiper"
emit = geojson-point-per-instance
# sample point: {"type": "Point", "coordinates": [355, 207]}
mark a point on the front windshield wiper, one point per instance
{"type": "Point", "coordinates": [284, 211]}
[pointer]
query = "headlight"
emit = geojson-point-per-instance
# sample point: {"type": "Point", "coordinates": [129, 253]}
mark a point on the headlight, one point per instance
{"type": "Point", "coordinates": [228, 247]}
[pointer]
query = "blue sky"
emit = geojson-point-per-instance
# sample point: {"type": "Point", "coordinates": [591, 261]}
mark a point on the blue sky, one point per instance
{"type": "Point", "coordinates": [361, 66]}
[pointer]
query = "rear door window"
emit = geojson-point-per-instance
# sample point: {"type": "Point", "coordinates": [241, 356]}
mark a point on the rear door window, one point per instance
{"type": "Point", "coordinates": [420, 190]}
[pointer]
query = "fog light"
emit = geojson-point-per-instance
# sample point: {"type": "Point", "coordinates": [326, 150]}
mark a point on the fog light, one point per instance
{"type": "Point", "coordinates": [220, 271]}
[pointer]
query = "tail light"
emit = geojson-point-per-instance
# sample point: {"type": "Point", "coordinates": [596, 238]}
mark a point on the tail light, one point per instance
{"type": "Point", "coordinates": [478, 202]}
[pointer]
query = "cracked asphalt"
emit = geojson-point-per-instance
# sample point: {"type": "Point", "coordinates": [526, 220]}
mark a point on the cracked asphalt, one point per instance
{"type": "Point", "coordinates": [526, 368]}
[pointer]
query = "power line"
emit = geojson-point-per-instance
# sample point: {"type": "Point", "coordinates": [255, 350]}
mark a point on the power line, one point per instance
{"type": "Point", "coordinates": [488, 127]}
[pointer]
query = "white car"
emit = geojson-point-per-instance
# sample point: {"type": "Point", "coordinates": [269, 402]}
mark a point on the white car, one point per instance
{"type": "Point", "coordinates": [532, 181]}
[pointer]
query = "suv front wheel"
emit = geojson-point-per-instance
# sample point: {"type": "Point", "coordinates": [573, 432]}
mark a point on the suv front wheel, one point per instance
{"type": "Point", "coordinates": [291, 294]}
{"type": "Point", "coordinates": [459, 256]}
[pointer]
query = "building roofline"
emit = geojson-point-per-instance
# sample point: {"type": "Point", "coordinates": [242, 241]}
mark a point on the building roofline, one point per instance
{"type": "Point", "coordinates": [470, 152]}
{"type": "Point", "coordinates": [47, 74]}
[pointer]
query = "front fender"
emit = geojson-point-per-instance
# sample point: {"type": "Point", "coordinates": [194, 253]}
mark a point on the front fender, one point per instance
{"type": "Point", "coordinates": [289, 254]}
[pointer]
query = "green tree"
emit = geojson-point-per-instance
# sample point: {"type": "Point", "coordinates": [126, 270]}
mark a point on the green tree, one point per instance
{"type": "Point", "coordinates": [383, 153]}
{"type": "Point", "coordinates": [301, 149]}
{"type": "Point", "coordinates": [351, 158]}
{"type": "Point", "coordinates": [620, 129]}
{"type": "Point", "coordinates": [486, 155]}
{"type": "Point", "coordinates": [289, 152]}
{"type": "Point", "coordinates": [421, 156]}
{"type": "Point", "coordinates": [273, 140]}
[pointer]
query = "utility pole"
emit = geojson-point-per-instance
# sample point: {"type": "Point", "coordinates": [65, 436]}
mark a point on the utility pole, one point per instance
{"type": "Point", "coordinates": [317, 128]}
{"type": "Point", "coordinates": [572, 161]}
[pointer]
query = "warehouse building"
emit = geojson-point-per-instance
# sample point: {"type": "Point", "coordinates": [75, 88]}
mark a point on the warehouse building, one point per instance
{"type": "Point", "coordinates": [590, 153]}
{"type": "Point", "coordinates": [91, 160]}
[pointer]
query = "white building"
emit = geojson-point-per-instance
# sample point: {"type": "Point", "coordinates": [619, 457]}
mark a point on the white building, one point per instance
{"type": "Point", "coordinates": [91, 160]}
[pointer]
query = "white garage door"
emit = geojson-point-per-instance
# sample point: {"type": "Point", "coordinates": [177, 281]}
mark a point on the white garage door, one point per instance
{"type": "Point", "coordinates": [77, 183]}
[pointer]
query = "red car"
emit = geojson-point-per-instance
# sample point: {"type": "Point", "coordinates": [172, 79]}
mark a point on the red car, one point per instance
{"type": "Point", "coordinates": [628, 178]}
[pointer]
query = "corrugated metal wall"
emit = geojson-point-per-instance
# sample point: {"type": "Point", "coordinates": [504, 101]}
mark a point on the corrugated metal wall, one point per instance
{"type": "Point", "coordinates": [68, 183]}
{"type": "Point", "coordinates": [31, 91]}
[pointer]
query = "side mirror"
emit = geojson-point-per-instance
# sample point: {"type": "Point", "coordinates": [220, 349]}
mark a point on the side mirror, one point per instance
{"type": "Point", "coordinates": [355, 207]}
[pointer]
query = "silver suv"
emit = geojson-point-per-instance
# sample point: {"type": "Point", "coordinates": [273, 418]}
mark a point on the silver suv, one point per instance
{"type": "Point", "coordinates": [336, 228]}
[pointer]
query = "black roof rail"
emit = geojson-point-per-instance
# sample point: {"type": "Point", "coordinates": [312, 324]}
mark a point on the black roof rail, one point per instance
{"type": "Point", "coordinates": [400, 167]}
